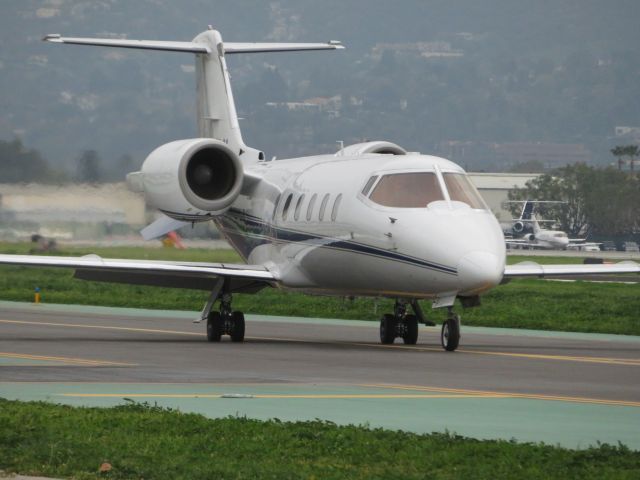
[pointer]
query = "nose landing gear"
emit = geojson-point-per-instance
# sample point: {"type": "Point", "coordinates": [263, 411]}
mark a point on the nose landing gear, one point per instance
{"type": "Point", "coordinates": [450, 333]}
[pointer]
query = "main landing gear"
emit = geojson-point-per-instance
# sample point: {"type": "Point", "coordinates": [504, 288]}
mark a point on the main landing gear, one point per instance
{"type": "Point", "coordinates": [225, 321]}
{"type": "Point", "coordinates": [404, 325]}
{"type": "Point", "coordinates": [400, 324]}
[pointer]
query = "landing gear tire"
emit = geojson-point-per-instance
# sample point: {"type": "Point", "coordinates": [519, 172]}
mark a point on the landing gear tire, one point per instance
{"type": "Point", "coordinates": [387, 329]}
{"type": "Point", "coordinates": [214, 326]}
{"type": "Point", "coordinates": [450, 334]}
{"type": "Point", "coordinates": [237, 327]}
{"type": "Point", "coordinates": [410, 336]}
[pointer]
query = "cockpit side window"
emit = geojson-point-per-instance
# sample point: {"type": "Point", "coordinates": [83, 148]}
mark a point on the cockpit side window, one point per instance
{"type": "Point", "coordinates": [462, 190]}
{"type": "Point", "coordinates": [367, 187]}
{"type": "Point", "coordinates": [407, 190]}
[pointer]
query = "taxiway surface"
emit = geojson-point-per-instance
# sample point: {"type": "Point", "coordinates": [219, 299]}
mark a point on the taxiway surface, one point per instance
{"type": "Point", "coordinates": [571, 389]}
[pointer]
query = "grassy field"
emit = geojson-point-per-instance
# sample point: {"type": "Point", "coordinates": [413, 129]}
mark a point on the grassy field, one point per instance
{"type": "Point", "coordinates": [536, 304]}
{"type": "Point", "coordinates": [141, 441]}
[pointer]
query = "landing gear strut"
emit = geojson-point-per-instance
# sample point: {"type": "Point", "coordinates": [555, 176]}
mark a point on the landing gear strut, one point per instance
{"type": "Point", "coordinates": [450, 333]}
{"type": "Point", "coordinates": [400, 324]}
{"type": "Point", "coordinates": [225, 321]}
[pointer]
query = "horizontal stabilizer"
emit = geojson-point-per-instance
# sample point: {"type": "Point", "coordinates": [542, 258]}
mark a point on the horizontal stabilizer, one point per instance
{"type": "Point", "coordinates": [124, 43]}
{"type": "Point", "coordinates": [231, 47]}
{"type": "Point", "coordinates": [161, 227]}
{"type": "Point", "coordinates": [193, 47]}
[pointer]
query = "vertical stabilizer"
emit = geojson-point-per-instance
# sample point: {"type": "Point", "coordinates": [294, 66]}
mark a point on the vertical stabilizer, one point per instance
{"type": "Point", "coordinates": [527, 210]}
{"type": "Point", "coordinates": [216, 108]}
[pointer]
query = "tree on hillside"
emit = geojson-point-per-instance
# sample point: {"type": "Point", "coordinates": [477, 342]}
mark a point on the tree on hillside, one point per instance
{"type": "Point", "coordinates": [88, 167]}
{"type": "Point", "coordinates": [21, 164]}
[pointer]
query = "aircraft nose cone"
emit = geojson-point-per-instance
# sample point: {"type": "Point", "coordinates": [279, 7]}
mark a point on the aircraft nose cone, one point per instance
{"type": "Point", "coordinates": [479, 271]}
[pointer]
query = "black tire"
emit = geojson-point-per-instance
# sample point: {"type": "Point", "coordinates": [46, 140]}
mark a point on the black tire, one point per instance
{"type": "Point", "coordinates": [237, 327]}
{"type": "Point", "coordinates": [450, 334]}
{"type": "Point", "coordinates": [410, 336]}
{"type": "Point", "coordinates": [214, 327]}
{"type": "Point", "coordinates": [387, 329]}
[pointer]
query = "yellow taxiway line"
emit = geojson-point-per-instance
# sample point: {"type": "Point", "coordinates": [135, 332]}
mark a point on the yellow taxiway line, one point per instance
{"type": "Point", "coordinates": [426, 393]}
{"type": "Point", "coordinates": [305, 396]}
{"type": "Point", "coordinates": [101, 327]}
{"type": "Point", "coordinates": [534, 356]}
{"type": "Point", "coordinates": [67, 360]}
{"type": "Point", "coordinates": [530, 396]}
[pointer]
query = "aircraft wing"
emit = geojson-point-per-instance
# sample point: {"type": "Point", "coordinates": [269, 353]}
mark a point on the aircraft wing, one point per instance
{"type": "Point", "coordinates": [192, 275]}
{"type": "Point", "coordinates": [533, 269]}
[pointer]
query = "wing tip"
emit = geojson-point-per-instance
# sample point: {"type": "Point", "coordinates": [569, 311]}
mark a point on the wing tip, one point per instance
{"type": "Point", "coordinates": [52, 37]}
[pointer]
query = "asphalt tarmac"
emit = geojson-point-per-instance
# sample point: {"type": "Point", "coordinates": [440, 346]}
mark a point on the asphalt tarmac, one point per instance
{"type": "Point", "coordinates": [559, 388]}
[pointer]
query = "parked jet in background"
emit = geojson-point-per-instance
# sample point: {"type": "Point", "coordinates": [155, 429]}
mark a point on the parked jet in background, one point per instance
{"type": "Point", "coordinates": [532, 235]}
{"type": "Point", "coordinates": [371, 220]}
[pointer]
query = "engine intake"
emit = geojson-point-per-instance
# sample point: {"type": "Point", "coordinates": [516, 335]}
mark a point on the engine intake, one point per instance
{"type": "Point", "coordinates": [190, 179]}
{"type": "Point", "coordinates": [518, 227]}
{"type": "Point", "coordinates": [210, 176]}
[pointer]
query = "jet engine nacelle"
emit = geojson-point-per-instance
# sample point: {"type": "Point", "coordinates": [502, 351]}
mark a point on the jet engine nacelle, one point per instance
{"type": "Point", "coordinates": [518, 227]}
{"type": "Point", "coordinates": [531, 237]}
{"type": "Point", "coordinates": [190, 180]}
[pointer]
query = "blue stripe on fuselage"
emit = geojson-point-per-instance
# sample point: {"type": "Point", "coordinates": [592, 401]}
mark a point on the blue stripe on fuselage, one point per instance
{"type": "Point", "coordinates": [247, 232]}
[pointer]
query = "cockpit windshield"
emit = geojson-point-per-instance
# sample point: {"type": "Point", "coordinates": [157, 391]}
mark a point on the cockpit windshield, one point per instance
{"type": "Point", "coordinates": [419, 189]}
{"type": "Point", "coordinates": [462, 190]}
{"type": "Point", "coordinates": [407, 190]}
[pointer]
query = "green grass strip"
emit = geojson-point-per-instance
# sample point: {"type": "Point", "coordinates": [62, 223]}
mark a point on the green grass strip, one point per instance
{"type": "Point", "coordinates": [533, 304]}
{"type": "Point", "coordinates": [143, 441]}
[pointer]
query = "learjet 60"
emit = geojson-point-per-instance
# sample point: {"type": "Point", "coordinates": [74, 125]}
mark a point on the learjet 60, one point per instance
{"type": "Point", "coordinates": [371, 220]}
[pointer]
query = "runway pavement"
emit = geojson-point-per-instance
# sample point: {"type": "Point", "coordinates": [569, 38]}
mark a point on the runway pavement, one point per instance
{"type": "Point", "coordinates": [568, 389]}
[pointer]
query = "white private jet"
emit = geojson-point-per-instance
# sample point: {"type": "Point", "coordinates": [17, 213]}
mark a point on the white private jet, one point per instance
{"type": "Point", "coordinates": [372, 220]}
{"type": "Point", "coordinates": [532, 235]}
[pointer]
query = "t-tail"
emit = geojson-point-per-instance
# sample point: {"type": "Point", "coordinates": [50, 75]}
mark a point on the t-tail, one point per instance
{"type": "Point", "coordinates": [195, 179]}
{"type": "Point", "coordinates": [216, 109]}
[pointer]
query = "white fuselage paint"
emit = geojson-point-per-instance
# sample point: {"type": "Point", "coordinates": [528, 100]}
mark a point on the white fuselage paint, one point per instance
{"type": "Point", "coordinates": [552, 239]}
{"type": "Point", "coordinates": [444, 249]}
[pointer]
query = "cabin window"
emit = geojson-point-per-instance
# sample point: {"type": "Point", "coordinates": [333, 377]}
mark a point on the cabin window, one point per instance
{"type": "Point", "coordinates": [462, 190]}
{"type": "Point", "coordinates": [296, 215]}
{"type": "Point", "coordinates": [275, 207]}
{"type": "Point", "coordinates": [407, 190]}
{"type": "Point", "coordinates": [323, 206]}
{"type": "Point", "coordinates": [367, 187]}
{"type": "Point", "coordinates": [287, 204]}
{"type": "Point", "coordinates": [336, 205]}
{"type": "Point", "coordinates": [312, 203]}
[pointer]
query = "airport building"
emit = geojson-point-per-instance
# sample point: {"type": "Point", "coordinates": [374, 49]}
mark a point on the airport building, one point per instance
{"type": "Point", "coordinates": [494, 188]}
{"type": "Point", "coordinates": [60, 209]}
